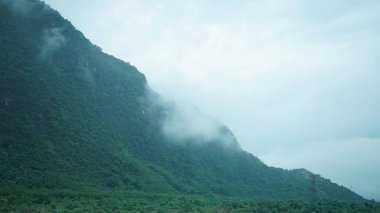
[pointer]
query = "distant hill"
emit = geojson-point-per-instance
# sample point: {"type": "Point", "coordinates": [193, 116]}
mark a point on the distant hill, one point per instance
{"type": "Point", "coordinates": [75, 118]}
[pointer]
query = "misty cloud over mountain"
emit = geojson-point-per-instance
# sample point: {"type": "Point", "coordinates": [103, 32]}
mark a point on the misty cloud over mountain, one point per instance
{"type": "Point", "coordinates": [53, 39]}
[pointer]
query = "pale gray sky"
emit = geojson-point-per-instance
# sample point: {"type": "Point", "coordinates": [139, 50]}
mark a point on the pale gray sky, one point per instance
{"type": "Point", "coordinates": [297, 81]}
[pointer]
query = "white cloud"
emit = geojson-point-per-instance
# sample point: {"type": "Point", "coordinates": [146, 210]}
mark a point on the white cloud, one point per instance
{"type": "Point", "coordinates": [184, 123]}
{"type": "Point", "coordinates": [53, 39]}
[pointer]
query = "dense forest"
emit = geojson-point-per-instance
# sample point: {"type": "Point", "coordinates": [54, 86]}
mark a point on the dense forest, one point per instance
{"type": "Point", "coordinates": [81, 131]}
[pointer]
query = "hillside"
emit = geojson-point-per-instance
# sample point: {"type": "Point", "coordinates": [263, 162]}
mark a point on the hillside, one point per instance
{"type": "Point", "coordinates": [74, 118]}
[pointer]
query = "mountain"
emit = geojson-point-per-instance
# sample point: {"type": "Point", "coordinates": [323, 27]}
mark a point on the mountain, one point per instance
{"type": "Point", "coordinates": [74, 118]}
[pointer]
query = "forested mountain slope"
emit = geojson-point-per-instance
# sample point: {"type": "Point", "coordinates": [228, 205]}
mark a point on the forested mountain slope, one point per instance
{"type": "Point", "coordinates": [73, 117]}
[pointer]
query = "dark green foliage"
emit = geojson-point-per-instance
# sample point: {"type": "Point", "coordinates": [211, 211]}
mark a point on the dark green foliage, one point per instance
{"type": "Point", "coordinates": [78, 132]}
{"type": "Point", "coordinates": [94, 200]}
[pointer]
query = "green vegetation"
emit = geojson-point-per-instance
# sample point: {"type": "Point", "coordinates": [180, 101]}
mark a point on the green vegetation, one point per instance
{"type": "Point", "coordinates": [78, 132]}
{"type": "Point", "coordinates": [92, 200]}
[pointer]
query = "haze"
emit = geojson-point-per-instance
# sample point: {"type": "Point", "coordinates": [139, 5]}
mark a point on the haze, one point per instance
{"type": "Point", "coordinates": [296, 81]}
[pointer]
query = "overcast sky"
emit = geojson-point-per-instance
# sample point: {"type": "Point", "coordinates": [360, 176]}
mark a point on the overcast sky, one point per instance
{"type": "Point", "coordinates": [297, 81]}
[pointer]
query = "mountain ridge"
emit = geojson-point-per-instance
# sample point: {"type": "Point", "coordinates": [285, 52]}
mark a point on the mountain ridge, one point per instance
{"type": "Point", "coordinates": [76, 118]}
